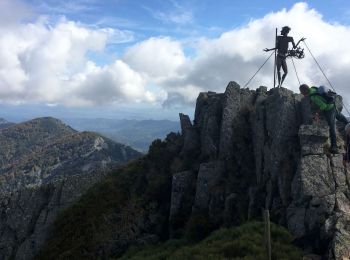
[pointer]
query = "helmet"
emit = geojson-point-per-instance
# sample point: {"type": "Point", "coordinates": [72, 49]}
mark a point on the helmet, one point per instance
{"type": "Point", "coordinates": [285, 29]}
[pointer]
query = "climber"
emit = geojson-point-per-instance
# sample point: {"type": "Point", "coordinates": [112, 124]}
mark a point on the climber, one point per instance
{"type": "Point", "coordinates": [282, 43]}
{"type": "Point", "coordinates": [326, 106]}
{"type": "Point", "coordinates": [346, 158]}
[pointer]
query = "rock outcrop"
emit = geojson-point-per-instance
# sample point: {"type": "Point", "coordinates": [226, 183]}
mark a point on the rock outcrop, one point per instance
{"type": "Point", "coordinates": [319, 213]}
{"type": "Point", "coordinates": [261, 149]}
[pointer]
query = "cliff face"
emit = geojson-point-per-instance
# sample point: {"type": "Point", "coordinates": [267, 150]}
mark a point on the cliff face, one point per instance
{"type": "Point", "coordinates": [257, 149]}
{"type": "Point", "coordinates": [27, 214]}
{"type": "Point", "coordinates": [45, 167]}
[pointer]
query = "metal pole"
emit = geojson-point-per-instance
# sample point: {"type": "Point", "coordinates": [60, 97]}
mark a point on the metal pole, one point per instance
{"type": "Point", "coordinates": [267, 234]}
{"type": "Point", "coordinates": [274, 65]}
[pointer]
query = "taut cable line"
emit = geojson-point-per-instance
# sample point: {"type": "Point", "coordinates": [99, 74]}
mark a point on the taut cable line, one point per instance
{"type": "Point", "coordinates": [296, 73]}
{"type": "Point", "coordinates": [258, 70]}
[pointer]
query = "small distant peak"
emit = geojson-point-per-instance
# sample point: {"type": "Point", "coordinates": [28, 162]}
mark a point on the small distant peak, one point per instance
{"type": "Point", "coordinates": [47, 119]}
{"type": "Point", "coordinates": [47, 124]}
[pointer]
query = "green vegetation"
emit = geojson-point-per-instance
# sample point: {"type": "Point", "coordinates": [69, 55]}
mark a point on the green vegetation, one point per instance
{"type": "Point", "coordinates": [116, 210]}
{"type": "Point", "coordinates": [197, 228]}
{"type": "Point", "coordinates": [135, 201]}
{"type": "Point", "coordinates": [81, 228]}
{"type": "Point", "coordinates": [244, 242]}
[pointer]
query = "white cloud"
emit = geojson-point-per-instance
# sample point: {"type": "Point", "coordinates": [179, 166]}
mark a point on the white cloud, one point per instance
{"type": "Point", "coordinates": [50, 64]}
{"type": "Point", "coordinates": [47, 63]}
{"type": "Point", "coordinates": [116, 83]}
{"type": "Point", "coordinates": [158, 58]}
{"type": "Point", "coordinates": [237, 54]}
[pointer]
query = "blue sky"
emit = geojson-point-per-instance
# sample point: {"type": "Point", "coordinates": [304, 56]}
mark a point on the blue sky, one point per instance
{"type": "Point", "coordinates": [177, 19]}
{"type": "Point", "coordinates": [194, 16]}
{"type": "Point", "coordinates": [152, 58]}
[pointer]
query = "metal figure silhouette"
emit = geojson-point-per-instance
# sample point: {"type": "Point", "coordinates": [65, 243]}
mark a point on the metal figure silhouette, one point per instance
{"type": "Point", "coordinates": [282, 44]}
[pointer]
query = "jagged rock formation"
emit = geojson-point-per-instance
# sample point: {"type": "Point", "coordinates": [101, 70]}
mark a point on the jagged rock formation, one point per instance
{"type": "Point", "coordinates": [45, 167]}
{"type": "Point", "coordinates": [245, 150]}
{"type": "Point", "coordinates": [258, 150]}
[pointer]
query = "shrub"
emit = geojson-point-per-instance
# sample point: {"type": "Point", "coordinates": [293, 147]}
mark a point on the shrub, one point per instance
{"type": "Point", "coordinates": [197, 228]}
{"type": "Point", "coordinates": [243, 242]}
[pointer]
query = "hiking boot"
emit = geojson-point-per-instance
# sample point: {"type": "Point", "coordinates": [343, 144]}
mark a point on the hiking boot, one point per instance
{"type": "Point", "coordinates": [334, 150]}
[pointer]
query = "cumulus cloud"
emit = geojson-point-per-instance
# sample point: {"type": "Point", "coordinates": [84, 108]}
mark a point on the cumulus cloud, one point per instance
{"type": "Point", "coordinates": [116, 83]}
{"type": "Point", "coordinates": [237, 54]}
{"type": "Point", "coordinates": [158, 58]}
{"type": "Point", "coordinates": [45, 62]}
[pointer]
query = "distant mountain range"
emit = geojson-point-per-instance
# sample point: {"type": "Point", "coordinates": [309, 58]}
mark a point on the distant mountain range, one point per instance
{"type": "Point", "coordinates": [4, 123]}
{"type": "Point", "coordinates": [45, 166]}
{"type": "Point", "coordinates": [39, 150]}
{"type": "Point", "coordinates": [138, 134]}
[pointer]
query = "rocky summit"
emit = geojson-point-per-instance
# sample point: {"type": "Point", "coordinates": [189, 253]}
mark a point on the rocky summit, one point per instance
{"type": "Point", "coordinates": [45, 167]}
{"type": "Point", "coordinates": [261, 150]}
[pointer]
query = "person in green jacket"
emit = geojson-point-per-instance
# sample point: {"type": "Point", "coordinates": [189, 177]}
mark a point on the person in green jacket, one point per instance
{"type": "Point", "coordinates": [328, 109]}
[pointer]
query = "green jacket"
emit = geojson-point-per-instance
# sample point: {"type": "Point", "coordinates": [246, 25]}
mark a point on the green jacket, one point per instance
{"type": "Point", "coordinates": [319, 101]}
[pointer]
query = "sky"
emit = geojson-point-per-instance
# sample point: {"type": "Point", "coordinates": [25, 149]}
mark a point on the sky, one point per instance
{"type": "Point", "coordinates": [150, 59]}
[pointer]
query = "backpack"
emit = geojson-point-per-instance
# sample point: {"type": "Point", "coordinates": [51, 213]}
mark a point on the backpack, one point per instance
{"type": "Point", "coordinates": [328, 95]}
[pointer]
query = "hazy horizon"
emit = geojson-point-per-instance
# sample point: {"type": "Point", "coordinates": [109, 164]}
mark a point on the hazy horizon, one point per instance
{"type": "Point", "coordinates": [20, 113]}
